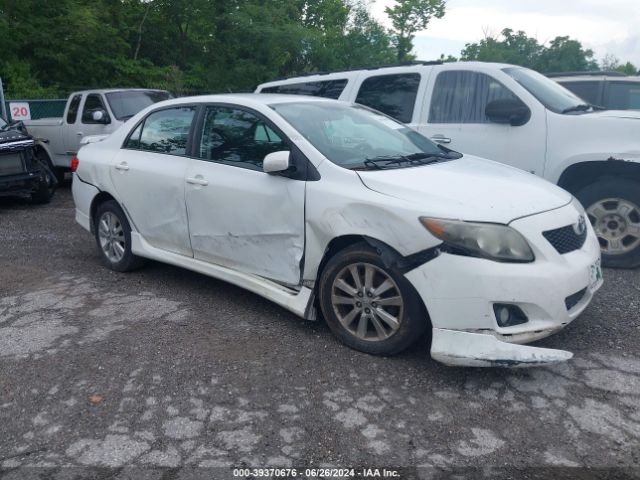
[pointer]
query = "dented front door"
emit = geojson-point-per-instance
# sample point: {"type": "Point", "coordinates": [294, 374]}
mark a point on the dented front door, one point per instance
{"type": "Point", "coordinates": [239, 216]}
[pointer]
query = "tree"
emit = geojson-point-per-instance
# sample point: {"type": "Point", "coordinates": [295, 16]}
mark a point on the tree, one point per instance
{"type": "Point", "coordinates": [611, 63]}
{"type": "Point", "coordinates": [566, 55]}
{"type": "Point", "coordinates": [409, 17]}
{"type": "Point", "coordinates": [562, 55]}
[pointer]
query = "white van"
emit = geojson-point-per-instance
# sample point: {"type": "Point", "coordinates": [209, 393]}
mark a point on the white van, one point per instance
{"type": "Point", "coordinates": [515, 116]}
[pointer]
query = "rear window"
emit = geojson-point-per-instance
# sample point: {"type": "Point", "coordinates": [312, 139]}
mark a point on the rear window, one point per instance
{"type": "Point", "coordinates": [624, 96]}
{"type": "Point", "coordinates": [326, 89]}
{"type": "Point", "coordinates": [588, 91]}
{"type": "Point", "coordinates": [394, 95]}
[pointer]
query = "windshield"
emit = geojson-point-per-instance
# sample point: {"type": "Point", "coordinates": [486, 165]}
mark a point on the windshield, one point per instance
{"type": "Point", "coordinates": [355, 136]}
{"type": "Point", "coordinates": [126, 104]}
{"type": "Point", "coordinates": [552, 95]}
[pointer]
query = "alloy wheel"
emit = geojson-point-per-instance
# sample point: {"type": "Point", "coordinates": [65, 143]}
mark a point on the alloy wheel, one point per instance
{"type": "Point", "coordinates": [367, 301]}
{"type": "Point", "coordinates": [111, 236]}
{"type": "Point", "coordinates": [617, 224]}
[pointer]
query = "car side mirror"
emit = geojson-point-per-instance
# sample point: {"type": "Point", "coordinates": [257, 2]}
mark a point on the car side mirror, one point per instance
{"type": "Point", "coordinates": [100, 116]}
{"type": "Point", "coordinates": [276, 162]}
{"type": "Point", "coordinates": [508, 110]}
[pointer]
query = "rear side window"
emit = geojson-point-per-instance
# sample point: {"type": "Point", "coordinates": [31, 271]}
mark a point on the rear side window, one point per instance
{"type": "Point", "coordinates": [326, 89]}
{"type": "Point", "coordinates": [588, 91]}
{"type": "Point", "coordinates": [165, 131]}
{"type": "Point", "coordinates": [74, 105]}
{"type": "Point", "coordinates": [462, 97]}
{"type": "Point", "coordinates": [394, 95]}
{"type": "Point", "coordinates": [624, 96]}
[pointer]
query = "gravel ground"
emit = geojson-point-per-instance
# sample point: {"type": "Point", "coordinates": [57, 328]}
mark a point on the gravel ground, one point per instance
{"type": "Point", "coordinates": [165, 373]}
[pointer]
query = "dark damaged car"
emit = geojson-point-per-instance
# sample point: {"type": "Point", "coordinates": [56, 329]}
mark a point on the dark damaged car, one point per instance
{"type": "Point", "coordinates": [22, 172]}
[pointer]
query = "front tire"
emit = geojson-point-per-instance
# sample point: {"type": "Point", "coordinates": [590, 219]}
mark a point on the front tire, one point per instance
{"type": "Point", "coordinates": [369, 306]}
{"type": "Point", "coordinates": [113, 237]}
{"type": "Point", "coordinates": [613, 207]}
{"type": "Point", "coordinates": [46, 187]}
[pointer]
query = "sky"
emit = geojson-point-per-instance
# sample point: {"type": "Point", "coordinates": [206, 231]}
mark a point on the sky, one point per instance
{"type": "Point", "coordinates": [605, 26]}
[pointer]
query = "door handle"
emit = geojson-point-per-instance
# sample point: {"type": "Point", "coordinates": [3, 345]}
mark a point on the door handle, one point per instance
{"type": "Point", "coordinates": [441, 139]}
{"type": "Point", "coordinates": [79, 134]}
{"type": "Point", "coordinates": [198, 180]}
{"type": "Point", "coordinates": [122, 166]}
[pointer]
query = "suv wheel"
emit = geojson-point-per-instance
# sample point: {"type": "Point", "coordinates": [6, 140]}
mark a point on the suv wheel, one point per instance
{"type": "Point", "coordinates": [46, 187]}
{"type": "Point", "coordinates": [113, 236]}
{"type": "Point", "coordinates": [369, 306]}
{"type": "Point", "coordinates": [613, 207]}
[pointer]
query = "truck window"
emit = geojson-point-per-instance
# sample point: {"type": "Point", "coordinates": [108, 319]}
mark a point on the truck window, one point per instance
{"type": "Point", "coordinates": [461, 96]}
{"type": "Point", "coordinates": [624, 96]}
{"type": "Point", "coordinates": [91, 104]}
{"type": "Point", "coordinates": [326, 89]}
{"type": "Point", "coordinates": [167, 131]}
{"type": "Point", "coordinates": [394, 95]}
{"type": "Point", "coordinates": [589, 91]}
{"type": "Point", "coordinates": [72, 112]}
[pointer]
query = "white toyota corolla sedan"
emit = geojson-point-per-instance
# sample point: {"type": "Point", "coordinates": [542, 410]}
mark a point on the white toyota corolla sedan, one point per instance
{"type": "Point", "coordinates": [318, 204]}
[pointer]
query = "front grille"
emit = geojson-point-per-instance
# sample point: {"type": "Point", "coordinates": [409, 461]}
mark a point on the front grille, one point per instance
{"type": "Point", "coordinates": [565, 239]}
{"type": "Point", "coordinates": [572, 300]}
{"type": "Point", "coordinates": [11, 164]}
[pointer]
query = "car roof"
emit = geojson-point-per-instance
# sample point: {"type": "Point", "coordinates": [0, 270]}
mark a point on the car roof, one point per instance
{"type": "Point", "coordinates": [389, 69]}
{"type": "Point", "coordinates": [113, 90]}
{"type": "Point", "coordinates": [591, 78]}
{"type": "Point", "coordinates": [250, 98]}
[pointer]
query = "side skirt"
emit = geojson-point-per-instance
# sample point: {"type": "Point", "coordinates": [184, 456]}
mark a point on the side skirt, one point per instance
{"type": "Point", "coordinates": [294, 301]}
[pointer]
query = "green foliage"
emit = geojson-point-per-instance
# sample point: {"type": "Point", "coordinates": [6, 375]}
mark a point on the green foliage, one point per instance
{"type": "Point", "coordinates": [409, 17]}
{"type": "Point", "coordinates": [186, 46]}
{"type": "Point", "coordinates": [561, 55]}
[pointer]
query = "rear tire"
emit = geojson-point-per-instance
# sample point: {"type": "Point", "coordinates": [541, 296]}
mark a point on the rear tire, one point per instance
{"type": "Point", "coordinates": [613, 207]}
{"type": "Point", "coordinates": [113, 237]}
{"type": "Point", "coordinates": [368, 305]}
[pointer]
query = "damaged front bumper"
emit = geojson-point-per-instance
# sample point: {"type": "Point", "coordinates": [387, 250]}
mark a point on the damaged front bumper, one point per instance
{"type": "Point", "coordinates": [460, 294]}
{"type": "Point", "coordinates": [465, 349]}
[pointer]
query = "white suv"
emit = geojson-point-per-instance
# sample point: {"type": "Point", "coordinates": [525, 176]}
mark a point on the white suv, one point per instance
{"type": "Point", "coordinates": [515, 116]}
{"type": "Point", "coordinates": [298, 199]}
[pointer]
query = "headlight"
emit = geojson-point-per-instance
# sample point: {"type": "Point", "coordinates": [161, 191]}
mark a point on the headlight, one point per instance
{"type": "Point", "coordinates": [487, 240]}
{"type": "Point", "coordinates": [578, 206]}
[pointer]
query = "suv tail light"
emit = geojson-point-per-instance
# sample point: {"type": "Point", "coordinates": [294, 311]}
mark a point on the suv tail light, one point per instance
{"type": "Point", "coordinates": [74, 164]}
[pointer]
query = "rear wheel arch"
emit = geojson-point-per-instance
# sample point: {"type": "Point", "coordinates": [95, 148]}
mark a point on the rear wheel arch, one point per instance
{"type": "Point", "coordinates": [98, 200]}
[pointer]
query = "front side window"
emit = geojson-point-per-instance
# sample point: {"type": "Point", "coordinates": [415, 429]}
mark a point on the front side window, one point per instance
{"type": "Point", "coordinates": [394, 95]}
{"type": "Point", "coordinates": [551, 94]}
{"type": "Point", "coordinates": [237, 137]}
{"type": "Point", "coordinates": [74, 105]}
{"type": "Point", "coordinates": [165, 131]}
{"type": "Point", "coordinates": [624, 96]}
{"type": "Point", "coordinates": [326, 88]}
{"type": "Point", "coordinates": [357, 137]}
{"type": "Point", "coordinates": [461, 96]}
{"type": "Point", "coordinates": [93, 103]}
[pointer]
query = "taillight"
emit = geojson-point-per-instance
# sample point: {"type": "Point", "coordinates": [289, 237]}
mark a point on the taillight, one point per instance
{"type": "Point", "coordinates": [74, 164]}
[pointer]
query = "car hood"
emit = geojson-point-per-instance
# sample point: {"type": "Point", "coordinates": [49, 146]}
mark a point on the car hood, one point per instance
{"type": "Point", "coordinates": [470, 188]}
{"type": "Point", "coordinates": [633, 114]}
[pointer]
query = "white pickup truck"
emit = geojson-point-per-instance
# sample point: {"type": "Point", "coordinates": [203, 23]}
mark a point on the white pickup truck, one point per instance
{"type": "Point", "coordinates": [515, 116]}
{"type": "Point", "coordinates": [90, 112]}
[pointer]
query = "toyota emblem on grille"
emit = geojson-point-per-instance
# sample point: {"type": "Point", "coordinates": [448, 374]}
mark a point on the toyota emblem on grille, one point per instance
{"type": "Point", "coordinates": [581, 226]}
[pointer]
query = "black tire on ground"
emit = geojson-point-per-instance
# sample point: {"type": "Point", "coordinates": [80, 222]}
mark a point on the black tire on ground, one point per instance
{"type": "Point", "coordinates": [47, 186]}
{"type": "Point", "coordinates": [129, 261]}
{"type": "Point", "coordinates": [615, 188]}
{"type": "Point", "coordinates": [413, 320]}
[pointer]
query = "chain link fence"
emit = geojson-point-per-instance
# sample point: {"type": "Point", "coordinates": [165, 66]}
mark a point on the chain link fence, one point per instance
{"type": "Point", "coordinates": [42, 108]}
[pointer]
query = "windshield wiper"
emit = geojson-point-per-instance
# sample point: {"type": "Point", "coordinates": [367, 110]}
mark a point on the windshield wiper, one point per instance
{"type": "Point", "coordinates": [393, 161]}
{"type": "Point", "coordinates": [582, 107]}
